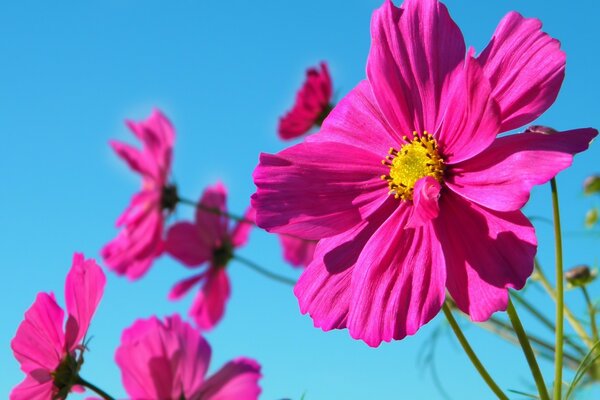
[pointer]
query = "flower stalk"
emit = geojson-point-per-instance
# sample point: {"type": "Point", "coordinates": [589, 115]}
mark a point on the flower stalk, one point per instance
{"type": "Point", "coordinates": [94, 388]}
{"type": "Point", "coordinates": [560, 311]}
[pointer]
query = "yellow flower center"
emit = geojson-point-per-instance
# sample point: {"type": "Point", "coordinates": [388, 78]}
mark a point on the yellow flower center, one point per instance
{"type": "Point", "coordinates": [415, 159]}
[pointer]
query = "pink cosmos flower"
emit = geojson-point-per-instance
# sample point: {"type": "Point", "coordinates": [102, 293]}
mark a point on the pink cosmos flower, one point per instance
{"type": "Point", "coordinates": [443, 209]}
{"type": "Point", "coordinates": [141, 239]}
{"type": "Point", "coordinates": [49, 355]}
{"type": "Point", "coordinates": [296, 251]}
{"type": "Point", "coordinates": [207, 241]}
{"type": "Point", "coordinates": [312, 104]}
{"type": "Point", "coordinates": [169, 360]}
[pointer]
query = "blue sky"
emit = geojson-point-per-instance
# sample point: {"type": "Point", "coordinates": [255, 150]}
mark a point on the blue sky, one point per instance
{"type": "Point", "coordinates": [71, 72]}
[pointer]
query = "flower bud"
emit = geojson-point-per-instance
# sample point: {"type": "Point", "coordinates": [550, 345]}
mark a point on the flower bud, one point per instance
{"type": "Point", "coordinates": [546, 130]}
{"type": "Point", "coordinates": [591, 184]}
{"type": "Point", "coordinates": [580, 276]}
{"type": "Point", "coordinates": [591, 218]}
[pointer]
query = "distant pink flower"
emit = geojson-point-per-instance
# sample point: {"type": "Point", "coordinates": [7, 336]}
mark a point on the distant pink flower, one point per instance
{"type": "Point", "coordinates": [296, 251]}
{"type": "Point", "coordinates": [443, 210]}
{"type": "Point", "coordinates": [169, 360]}
{"type": "Point", "coordinates": [313, 103]}
{"type": "Point", "coordinates": [210, 241]}
{"type": "Point", "coordinates": [140, 241]}
{"type": "Point", "coordinates": [49, 355]}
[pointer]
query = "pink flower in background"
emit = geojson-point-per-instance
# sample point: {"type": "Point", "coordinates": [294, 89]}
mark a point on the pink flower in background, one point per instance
{"type": "Point", "coordinates": [296, 251]}
{"type": "Point", "coordinates": [169, 360]}
{"type": "Point", "coordinates": [313, 103]}
{"type": "Point", "coordinates": [209, 241]}
{"type": "Point", "coordinates": [49, 354]}
{"type": "Point", "coordinates": [140, 241]}
{"type": "Point", "coordinates": [442, 211]}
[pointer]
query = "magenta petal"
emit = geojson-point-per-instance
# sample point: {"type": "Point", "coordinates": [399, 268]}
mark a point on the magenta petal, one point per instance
{"type": "Point", "coordinates": [315, 190]}
{"type": "Point", "coordinates": [39, 342]}
{"type": "Point", "coordinates": [425, 202]}
{"type": "Point", "coordinates": [39, 388]}
{"type": "Point", "coordinates": [486, 253]}
{"type": "Point", "coordinates": [526, 68]}
{"type": "Point", "coordinates": [184, 286]}
{"type": "Point", "coordinates": [134, 158]}
{"type": "Point", "coordinates": [209, 305]}
{"type": "Point", "coordinates": [471, 117]}
{"type": "Point", "coordinates": [502, 177]}
{"type": "Point", "coordinates": [84, 288]}
{"type": "Point", "coordinates": [413, 49]}
{"type": "Point", "coordinates": [212, 225]}
{"type": "Point", "coordinates": [298, 252]}
{"type": "Point", "coordinates": [241, 232]}
{"type": "Point", "coordinates": [398, 283]}
{"type": "Point", "coordinates": [238, 379]}
{"type": "Point", "coordinates": [186, 244]}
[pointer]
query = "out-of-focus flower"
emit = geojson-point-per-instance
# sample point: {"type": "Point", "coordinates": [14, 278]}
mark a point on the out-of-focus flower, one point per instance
{"type": "Point", "coordinates": [443, 211]}
{"type": "Point", "coordinates": [591, 218]}
{"type": "Point", "coordinates": [140, 240]}
{"type": "Point", "coordinates": [591, 184]}
{"type": "Point", "coordinates": [580, 275]}
{"type": "Point", "coordinates": [49, 354]}
{"type": "Point", "coordinates": [313, 104]}
{"type": "Point", "coordinates": [208, 241]}
{"type": "Point", "coordinates": [169, 360]}
{"type": "Point", "coordinates": [296, 251]}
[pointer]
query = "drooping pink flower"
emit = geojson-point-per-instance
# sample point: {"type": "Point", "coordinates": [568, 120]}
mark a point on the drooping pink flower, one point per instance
{"type": "Point", "coordinates": [49, 354]}
{"type": "Point", "coordinates": [209, 241]}
{"type": "Point", "coordinates": [443, 209]}
{"type": "Point", "coordinates": [313, 103]}
{"type": "Point", "coordinates": [169, 360]}
{"type": "Point", "coordinates": [296, 251]}
{"type": "Point", "coordinates": [140, 240]}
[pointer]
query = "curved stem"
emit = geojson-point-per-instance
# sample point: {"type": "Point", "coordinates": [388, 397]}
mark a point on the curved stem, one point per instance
{"type": "Point", "coordinates": [264, 271]}
{"type": "Point", "coordinates": [471, 354]}
{"type": "Point", "coordinates": [94, 388]}
{"type": "Point", "coordinates": [592, 311]}
{"type": "Point", "coordinates": [214, 210]}
{"type": "Point", "coordinates": [527, 350]}
{"type": "Point", "coordinates": [560, 311]}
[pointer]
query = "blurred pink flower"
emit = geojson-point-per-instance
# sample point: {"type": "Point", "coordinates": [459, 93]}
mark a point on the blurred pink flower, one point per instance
{"type": "Point", "coordinates": [169, 360]}
{"type": "Point", "coordinates": [443, 211]}
{"type": "Point", "coordinates": [207, 241]}
{"type": "Point", "coordinates": [312, 104]}
{"type": "Point", "coordinates": [140, 241]}
{"type": "Point", "coordinates": [296, 251]}
{"type": "Point", "coordinates": [50, 356]}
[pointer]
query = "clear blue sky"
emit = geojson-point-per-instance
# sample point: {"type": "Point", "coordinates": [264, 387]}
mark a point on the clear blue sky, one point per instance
{"type": "Point", "coordinates": [71, 72]}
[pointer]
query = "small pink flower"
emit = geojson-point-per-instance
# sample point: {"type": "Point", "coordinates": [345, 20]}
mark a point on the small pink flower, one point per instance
{"type": "Point", "coordinates": [296, 251]}
{"type": "Point", "coordinates": [49, 355]}
{"type": "Point", "coordinates": [210, 241]}
{"type": "Point", "coordinates": [140, 241]}
{"type": "Point", "coordinates": [442, 211]}
{"type": "Point", "coordinates": [312, 104]}
{"type": "Point", "coordinates": [169, 360]}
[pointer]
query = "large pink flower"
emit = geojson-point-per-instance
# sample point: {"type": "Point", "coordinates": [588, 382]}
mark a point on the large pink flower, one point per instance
{"type": "Point", "coordinates": [312, 104]}
{"type": "Point", "coordinates": [211, 241]}
{"type": "Point", "coordinates": [169, 360]}
{"type": "Point", "coordinates": [140, 241]}
{"type": "Point", "coordinates": [443, 209]}
{"type": "Point", "coordinates": [49, 355]}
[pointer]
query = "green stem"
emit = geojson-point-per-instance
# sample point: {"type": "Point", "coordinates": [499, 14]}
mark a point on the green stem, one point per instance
{"type": "Point", "coordinates": [214, 210]}
{"type": "Point", "coordinates": [592, 311]}
{"type": "Point", "coordinates": [263, 271]}
{"type": "Point", "coordinates": [560, 310]}
{"type": "Point", "coordinates": [527, 350]}
{"type": "Point", "coordinates": [471, 354]}
{"type": "Point", "coordinates": [94, 388]}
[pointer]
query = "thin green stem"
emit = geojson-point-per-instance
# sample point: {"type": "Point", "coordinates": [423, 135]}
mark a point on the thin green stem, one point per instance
{"type": "Point", "coordinates": [592, 311]}
{"type": "Point", "coordinates": [573, 321]}
{"type": "Point", "coordinates": [471, 354]}
{"type": "Point", "coordinates": [263, 271]}
{"type": "Point", "coordinates": [214, 210]}
{"type": "Point", "coordinates": [527, 350]}
{"type": "Point", "coordinates": [560, 310]}
{"type": "Point", "coordinates": [94, 388]}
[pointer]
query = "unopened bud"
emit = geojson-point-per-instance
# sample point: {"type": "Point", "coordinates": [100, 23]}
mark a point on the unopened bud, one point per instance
{"type": "Point", "coordinates": [591, 184]}
{"type": "Point", "coordinates": [591, 218]}
{"type": "Point", "coordinates": [546, 130]}
{"type": "Point", "coordinates": [580, 276]}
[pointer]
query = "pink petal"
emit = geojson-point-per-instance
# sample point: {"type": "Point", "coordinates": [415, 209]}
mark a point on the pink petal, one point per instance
{"type": "Point", "coordinates": [425, 203]}
{"type": "Point", "coordinates": [39, 388]}
{"type": "Point", "coordinates": [502, 177]}
{"type": "Point", "coordinates": [298, 252]}
{"type": "Point", "coordinates": [83, 290]}
{"type": "Point", "coordinates": [486, 252]}
{"type": "Point", "coordinates": [187, 245]}
{"type": "Point", "coordinates": [241, 232]}
{"type": "Point", "coordinates": [184, 286]}
{"type": "Point", "coordinates": [212, 226]}
{"type": "Point", "coordinates": [135, 159]}
{"type": "Point", "coordinates": [39, 342]}
{"type": "Point", "coordinates": [471, 117]}
{"type": "Point", "coordinates": [209, 305]}
{"type": "Point", "coordinates": [238, 379]}
{"type": "Point", "coordinates": [398, 284]}
{"type": "Point", "coordinates": [413, 49]}
{"type": "Point", "coordinates": [526, 68]}
{"type": "Point", "coordinates": [315, 190]}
